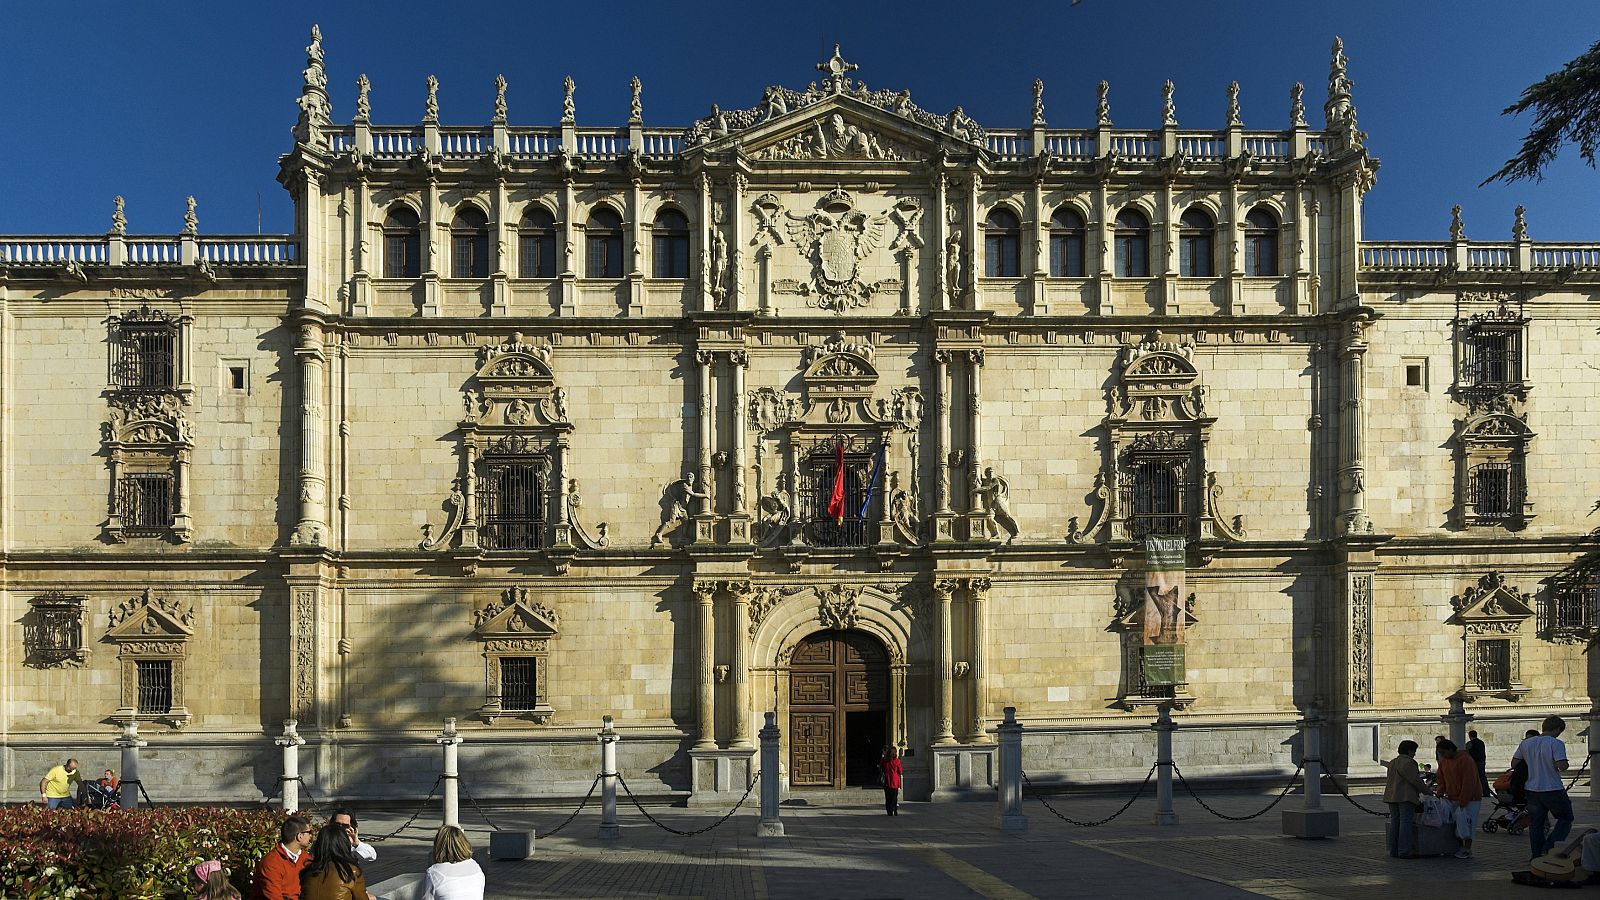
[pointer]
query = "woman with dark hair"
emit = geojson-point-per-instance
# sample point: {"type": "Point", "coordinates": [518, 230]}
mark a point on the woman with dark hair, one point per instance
{"type": "Point", "coordinates": [334, 873]}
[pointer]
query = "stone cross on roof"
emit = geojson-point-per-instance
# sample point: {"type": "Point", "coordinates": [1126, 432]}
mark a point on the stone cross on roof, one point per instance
{"type": "Point", "coordinates": [836, 67]}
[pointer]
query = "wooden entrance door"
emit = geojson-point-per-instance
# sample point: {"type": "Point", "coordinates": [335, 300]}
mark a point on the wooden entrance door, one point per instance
{"type": "Point", "coordinates": [831, 674]}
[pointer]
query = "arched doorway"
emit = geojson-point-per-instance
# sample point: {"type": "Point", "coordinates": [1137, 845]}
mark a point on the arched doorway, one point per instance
{"type": "Point", "coordinates": [838, 710]}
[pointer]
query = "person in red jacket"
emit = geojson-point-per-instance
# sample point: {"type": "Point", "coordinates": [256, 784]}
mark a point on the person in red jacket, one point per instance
{"type": "Point", "coordinates": [278, 873]}
{"type": "Point", "coordinates": [889, 766]}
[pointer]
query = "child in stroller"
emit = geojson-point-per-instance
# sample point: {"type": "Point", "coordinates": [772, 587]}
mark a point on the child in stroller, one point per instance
{"type": "Point", "coordinates": [1510, 805]}
{"type": "Point", "coordinates": [100, 796]}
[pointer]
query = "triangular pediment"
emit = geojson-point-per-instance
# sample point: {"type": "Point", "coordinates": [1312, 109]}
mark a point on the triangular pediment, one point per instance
{"type": "Point", "coordinates": [149, 623]}
{"type": "Point", "coordinates": [516, 616]}
{"type": "Point", "coordinates": [840, 128]}
{"type": "Point", "coordinates": [1492, 600]}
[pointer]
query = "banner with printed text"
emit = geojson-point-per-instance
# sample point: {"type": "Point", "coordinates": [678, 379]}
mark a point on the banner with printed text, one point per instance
{"type": "Point", "coordinates": [1162, 656]}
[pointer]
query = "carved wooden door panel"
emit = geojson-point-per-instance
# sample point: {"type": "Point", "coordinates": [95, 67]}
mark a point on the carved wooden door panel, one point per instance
{"type": "Point", "coordinates": [811, 754]}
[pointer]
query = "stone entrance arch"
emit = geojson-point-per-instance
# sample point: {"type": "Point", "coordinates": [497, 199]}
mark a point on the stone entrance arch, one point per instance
{"type": "Point", "coordinates": [838, 709]}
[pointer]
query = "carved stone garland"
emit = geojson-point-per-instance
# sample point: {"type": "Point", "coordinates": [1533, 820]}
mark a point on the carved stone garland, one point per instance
{"type": "Point", "coordinates": [516, 625]}
{"type": "Point", "coordinates": [1492, 610]}
{"type": "Point", "coordinates": [151, 628]}
{"type": "Point", "coordinates": [1158, 406]}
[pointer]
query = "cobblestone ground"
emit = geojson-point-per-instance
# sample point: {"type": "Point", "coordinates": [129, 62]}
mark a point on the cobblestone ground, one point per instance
{"type": "Point", "coordinates": [850, 849]}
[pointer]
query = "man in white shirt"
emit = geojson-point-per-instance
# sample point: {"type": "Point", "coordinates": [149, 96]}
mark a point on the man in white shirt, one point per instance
{"type": "Point", "coordinates": [1546, 758]}
{"type": "Point", "coordinates": [344, 819]}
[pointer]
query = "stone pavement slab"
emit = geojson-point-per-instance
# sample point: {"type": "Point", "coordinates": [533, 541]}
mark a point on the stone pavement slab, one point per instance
{"type": "Point", "coordinates": [852, 850]}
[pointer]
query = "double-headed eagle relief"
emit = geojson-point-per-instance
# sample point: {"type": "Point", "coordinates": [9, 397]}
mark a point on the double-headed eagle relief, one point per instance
{"type": "Point", "coordinates": [835, 239]}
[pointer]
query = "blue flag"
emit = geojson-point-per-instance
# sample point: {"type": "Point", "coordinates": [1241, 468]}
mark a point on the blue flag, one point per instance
{"type": "Point", "coordinates": [872, 486]}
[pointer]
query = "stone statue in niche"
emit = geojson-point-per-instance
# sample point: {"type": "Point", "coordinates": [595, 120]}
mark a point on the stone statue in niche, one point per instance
{"type": "Point", "coordinates": [518, 412]}
{"type": "Point", "coordinates": [992, 490]}
{"type": "Point", "coordinates": [675, 499]}
{"type": "Point", "coordinates": [773, 511]}
{"type": "Point", "coordinates": [952, 263]}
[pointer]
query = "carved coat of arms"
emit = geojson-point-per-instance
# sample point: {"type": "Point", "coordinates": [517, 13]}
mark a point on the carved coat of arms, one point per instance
{"type": "Point", "coordinates": [836, 238]}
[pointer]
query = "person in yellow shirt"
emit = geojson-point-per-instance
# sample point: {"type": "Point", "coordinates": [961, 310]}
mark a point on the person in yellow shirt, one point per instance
{"type": "Point", "coordinates": [59, 786]}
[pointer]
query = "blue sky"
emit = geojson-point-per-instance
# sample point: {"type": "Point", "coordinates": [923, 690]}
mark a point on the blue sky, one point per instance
{"type": "Point", "coordinates": [157, 101]}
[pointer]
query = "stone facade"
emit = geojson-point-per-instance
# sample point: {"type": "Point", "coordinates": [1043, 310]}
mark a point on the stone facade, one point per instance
{"type": "Point", "coordinates": [527, 426]}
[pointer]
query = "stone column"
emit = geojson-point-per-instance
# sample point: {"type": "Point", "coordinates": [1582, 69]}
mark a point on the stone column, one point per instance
{"type": "Point", "coordinates": [737, 186]}
{"type": "Point", "coordinates": [1039, 300]}
{"type": "Point", "coordinates": [311, 529]}
{"type": "Point", "coordinates": [974, 239]}
{"type": "Point", "coordinates": [703, 185]}
{"type": "Point", "coordinates": [290, 741]}
{"type": "Point", "coordinates": [361, 290]}
{"type": "Point", "coordinates": [563, 523]}
{"type": "Point", "coordinates": [974, 435]}
{"type": "Point", "coordinates": [1455, 721]}
{"type": "Point", "coordinates": [182, 523]}
{"type": "Point", "coordinates": [500, 273]}
{"type": "Point", "coordinates": [450, 741]}
{"type": "Point", "coordinates": [1592, 747]}
{"type": "Point", "coordinates": [430, 246]}
{"type": "Point", "coordinates": [704, 413]}
{"type": "Point", "coordinates": [739, 520]}
{"type": "Point", "coordinates": [130, 744]}
{"type": "Point", "coordinates": [771, 824]}
{"type": "Point", "coordinates": [944, 664]}
{"type": "Point", "coordinates": [978, 597]}
{"type": "Point", "coordinates": [1163, 727]}
{"type": "Point", "coordinates": [705, 697]}
{"type": "Point", "coordinates": [608, 780]}
{"type": "Point", "coordinates": [1009, 815]}
{"type": "Point", "coordinates": [568, 304]}
{"type": "Point", "coordinates": [739, 591]}
{"type": "Point", "coordinates": [941, 224]}
{"type": "Point", "coordinates": [941, 436]}
{"type": "Point", "coordinates": [1352, 439]}
{"type": "Point", "coordinates": [1311, 820]}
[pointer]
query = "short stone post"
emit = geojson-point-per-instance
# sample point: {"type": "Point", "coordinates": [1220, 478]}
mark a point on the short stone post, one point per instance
{"type": "Point", "coordinates": [1163, 727]}
{"type": "Point", "coordinates": [1593, 743]}
{"type": "Point", "coordinates": [608, 780]}
{"type": "Point", "coordinates": [290, 741]}
{"type": "Point", "coordinates": [129, 744]}
{"type": "Point", "coordinates": [771, 824]}
{"type": "Point", "coordinates": [1010, 736]}
{"type": "Point", "coordinates": [450, 741]}
{"type": "Point", "coordinates": [1455, 721]}
{"type": "Point", "coordinates": [1311, 820]}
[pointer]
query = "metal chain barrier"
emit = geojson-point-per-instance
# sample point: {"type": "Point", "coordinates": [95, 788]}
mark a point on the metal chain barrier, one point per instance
{"type": "Point", "coordinates": [424, 805]}
{"type": "Point", "coordinates": [664, 827]}
{"type": "Point", "coordinates": [1339, 789]}
{"type": "Point", "coordinates": [481, 813]}
{"type": "Point", "coordinates": [1221, 815]}
{"type": "Point", "coordinates": [592, 785]}
{"type": "Point", "coordinates": [1578, 774]}
{"type": "Point", "coordinates": [1070, 821]}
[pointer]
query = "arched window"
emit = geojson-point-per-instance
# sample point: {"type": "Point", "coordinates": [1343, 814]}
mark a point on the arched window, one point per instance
{"type": "Point", "coordinates": [402, 244]}
{"type": "Point", "coordinates": [1133, 244]}
{"type": "Point", "coordinates": [469, 244]}
{"type": "Point", "coordinates": [1197, 243]}
{"type": "Point", "coordinates": [1261, 243]}
{"type": "Point", "coordinates": [605, 244]}
{"type": "Point", "coordinates": [536, 244]}
{"type": "Point", "coordinates": [670, 237]}
{"type": "Point", "coordinates": [1066, 244]}
{"type": "Point", "coordinates": [1002, 240]}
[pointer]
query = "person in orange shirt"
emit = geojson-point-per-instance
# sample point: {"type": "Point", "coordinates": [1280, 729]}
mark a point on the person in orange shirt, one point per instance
{"type": "Point", "coordinates": [1461, 784]}
{"type": "Point", "coordinates": [278, 873]}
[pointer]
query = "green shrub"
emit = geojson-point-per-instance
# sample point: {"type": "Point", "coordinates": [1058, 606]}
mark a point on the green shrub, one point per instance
{"type": "Point", "coordinates": [146, 854]}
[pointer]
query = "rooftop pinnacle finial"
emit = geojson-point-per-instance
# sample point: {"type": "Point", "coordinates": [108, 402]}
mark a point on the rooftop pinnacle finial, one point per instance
{"type": "Point", "coordinates": [1458, 230]}
{"type": "Point", "coordinates": [430, 104]}
{"type": "Point", "coordinates": [119, 220]}
{"type": "Point", "coordinates": [191, 222]}
{"type": "Point", "coordinates": [1169, 110]}
{"type": "Point", "coordinates": [836, 68]}
{"type": "Point", "coordinates": [1519, 225]}
{"type": "Point", "coordinates": [315, 109]}
{"type": "Point", "coordinates": [1234, 119]}
{"type": "Point", "coordinates": [569, 113]}
{"type": "Point", "coordinates": [1340, 110]}
{"type": "Point", "coordinates": [635, 105]}
{"type": "Point", "coordinates": [1038, 101]}
{"type": "Point", "coordinates": [1297, 106]}
{"type": "Point", "coordinates": [363, 102]}
{"type": "Point", "coordinates": [1102, 115]}
{"type": "Point", "coordinates": [499, 100]}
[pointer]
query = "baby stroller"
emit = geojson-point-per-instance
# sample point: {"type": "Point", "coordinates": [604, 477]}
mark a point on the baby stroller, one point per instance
{"type": "Point", "coordinates": [1510, 808]}
{"type": "Point", "coordinates": [100, 796]}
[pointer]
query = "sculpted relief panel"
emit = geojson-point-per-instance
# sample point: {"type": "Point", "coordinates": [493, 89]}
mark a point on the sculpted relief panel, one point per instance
{"type": "Point", "coordinates": [838, 252]}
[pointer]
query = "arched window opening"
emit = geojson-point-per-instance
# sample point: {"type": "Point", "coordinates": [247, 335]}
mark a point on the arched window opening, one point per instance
{"type": "Point", "coordinates": [670, 239]}
{"type": "Point", "coordinates": [1002, 240]}
{"type": "Point", "coordinates": [1261, 243]}
{"type": "Point", "coordinates": [536, 246]}
{"type": "Point", "coordinates": [402, 244]}
{"type": "Point", "coordinates": [1132, 235]}
{"type": "Point", "coordinates": [605, 244]}
{"type": "Point", "coordinates": [469, 244]}
{"type": "Point", "coordinates": [1066, 244]}
{"type": "Point", "coordinates": [1197, 244]}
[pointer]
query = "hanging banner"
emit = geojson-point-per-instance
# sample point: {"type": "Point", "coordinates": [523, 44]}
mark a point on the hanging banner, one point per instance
{"type": "Point", "coordinates": [1162, 656]}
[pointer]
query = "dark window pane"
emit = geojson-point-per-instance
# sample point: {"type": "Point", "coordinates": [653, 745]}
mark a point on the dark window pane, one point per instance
{"type": "Point", "coordinates": [518, 683]}
{"type": "Point", "coordinates": [154, 688]}
{"type": "Point", "coordinates": [511, 503]}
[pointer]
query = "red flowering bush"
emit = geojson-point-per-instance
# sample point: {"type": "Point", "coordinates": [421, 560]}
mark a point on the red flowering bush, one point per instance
{"type": "Point", "coordinates": [146, 854]}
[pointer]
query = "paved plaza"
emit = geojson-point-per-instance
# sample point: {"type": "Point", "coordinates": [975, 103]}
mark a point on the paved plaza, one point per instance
{"type": "Point", "coordinates": [847, 848]}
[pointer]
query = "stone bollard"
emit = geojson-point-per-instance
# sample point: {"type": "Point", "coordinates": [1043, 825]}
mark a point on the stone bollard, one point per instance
{"type": "Point", "coordinates": [1163, 727]}
{"type": "Point", "coordinates": [1311, 820]}
{"type": "Point", "coordinates": [771, 823]}
{"type": "Point", "coordinates": [129, 744]}
{"type": "Point", "coordinates": [1010, 813]}
{"type": "Point", "coordinates": [450, 741]}
{"type": "Point", "coordinates": [608, 780]}
{"type": "Point", "coordinates": [1455, 721]}
{"type": "Point", "coordinates": [290, 741]}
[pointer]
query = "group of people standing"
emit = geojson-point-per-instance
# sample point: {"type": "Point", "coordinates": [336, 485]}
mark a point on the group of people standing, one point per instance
{"type": "Point", "coordinates": [1461, 780]}
{"type": "Point", "coordinates": [325, 864]}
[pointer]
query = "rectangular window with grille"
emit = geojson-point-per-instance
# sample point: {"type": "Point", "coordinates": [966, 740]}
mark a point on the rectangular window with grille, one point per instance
{"type": "Point", "coordinates": [1492, 665]}
{"type": "Point", "coordinates": [1496, 356]}
{"type": "Point", "coordinates": [1495, 489]}
{"type": "Point", "coordinates": [511, 500]}
{"type": "Point", "coordinates": [1155, 492]}
{"type": "Point", "coordinates": [155, 686]}
{"type": "Point", "coordinates": [817, 480]}
{"type": "Point", "coordinates": [147, 358]}
{"type": "Point", "coordinates": [146, 500]}
{"type": "Point", "coordinates": [519, 683]}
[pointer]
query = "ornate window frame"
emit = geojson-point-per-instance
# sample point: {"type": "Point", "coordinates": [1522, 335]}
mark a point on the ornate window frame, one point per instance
{"type": "Point", "coordinates": [147, 435]}
{"type": "Point", "coordinates": [148, 627]}
{"type": "Point", "coordinates": [1491, 610]}
{"type": "Point", "coordinates": [516, 626]}
{"type": "Point", "coordinates": [1570, 612]}
{"type": "Point", "coordinates": [52, 631]}
{"type": "Point", "coordinates": [1157, 410]}
{"type": "Point", "coordinates": [1497, 438]}
{"type": "Point", "coordinates": [127, 372]}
